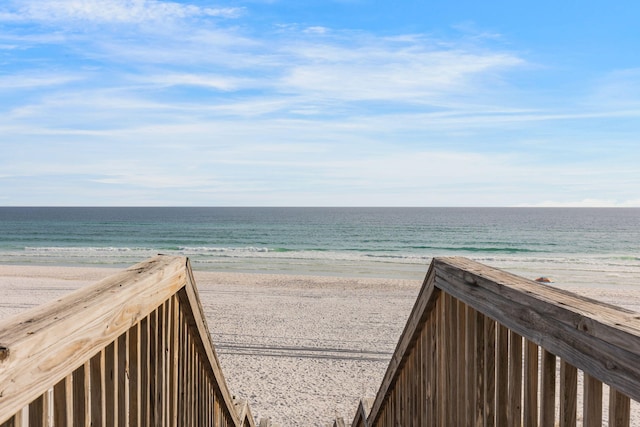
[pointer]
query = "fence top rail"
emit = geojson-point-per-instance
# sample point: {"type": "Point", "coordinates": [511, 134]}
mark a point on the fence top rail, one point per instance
{"type": "Point", "coordinates": [41, 346]}
{"type": "Point", "coordinates": [598, 338]}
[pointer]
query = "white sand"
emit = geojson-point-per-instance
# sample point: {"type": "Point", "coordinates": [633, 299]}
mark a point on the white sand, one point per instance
{"type": "Point", "coordinates": [301, 349]}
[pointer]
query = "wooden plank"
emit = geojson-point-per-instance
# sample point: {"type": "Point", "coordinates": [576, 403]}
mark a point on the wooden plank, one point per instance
{"type": "Point", "coordinates": [461, 346]}
{"type": "Point", "coordinates": [515, 380]}
{"type": "Point", "coordinates": [438, 395]}
{"type": "Point", "coordinates": [548, 390]}
{"type": "Point", "coordinates": [98, 413]}
{"type": "Point", "coordinates": [174, 359]}
{"type": "Point", "coordinates": [502, 376]}
{"type": "Point", "coordinates": [582, 331]}
{"type": "Point", "coordinates": [60, 397]}
{"type": "Point", "coordinates": [530, 384]}
{"type": "Point", "coordinates": [188, 378]}
{"type": "Point", "coordinates": [166, 362]}
{"type": "Point", "coordinates": [489, 372]}
{"type": "Point", "coordinates": [42, 351]}
{"type": "Point", "coordinates": [123, 381]}
{"type": "Point", "coordinates": [480, 409]}
{"type": "Point", "coordinates": [79, 390]}
{"type": "Point", "coordinates": [181, 370]}
{"type": "Point", "coordinates": [441, 371]}
{"type": "Point", "coordinates": [431, 352]}
{"type": "Point", "coordinates": [145, 395]}
{"type": "Point", "coordinates": [592, 409]}
{"type": "Point", "coordinates": [111, 383]}
{"type": "Point", "coordinates": [451, 358]}
{"type": "Point", "coordinates": [153, 361]}
{"type": "Point", "coordinates": [568, 394]}
{"type": "Point", "coordinates": [470, 360]}
{"type": "Point", "coordinates": [36, 413]}
{"type": "Point", "coordinates": [133, 343]}
{"type": "Point", "coordinates": [619, 409]}
{"type": "Point", "coordinates": [422, 382]}
{"type": "Point", "coordinates": [160, 367]}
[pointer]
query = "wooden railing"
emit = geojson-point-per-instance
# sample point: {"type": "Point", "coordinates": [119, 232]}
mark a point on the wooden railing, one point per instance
{"type": "Point", "coordinates": [486, 348]}
{"type": "Point", "coordinates": [130, 350]}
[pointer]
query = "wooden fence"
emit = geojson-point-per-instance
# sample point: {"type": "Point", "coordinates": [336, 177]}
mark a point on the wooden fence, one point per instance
{"type": "Point", "coordinates": [486, 348]}
{"type": "Point", "coordinates": [130, 350]}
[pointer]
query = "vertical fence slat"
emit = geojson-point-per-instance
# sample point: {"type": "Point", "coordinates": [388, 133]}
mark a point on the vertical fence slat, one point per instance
{"type": "Point", "coordinates": [489, 372]}
{"type": "Point", "coordinates": [60, 397]}
{"type": "Point", "coordinates": [515, 380]}
{"type": "Point", "coordinates": [619, 409]}
{"type": "Point", "coordinates": [480, 379]}
{"type": "Point", "coordinates": [111, 382]}
{"type": "Point", "coordinates": [122, 380]}
{"type": "Point", "coordinates": [79, 390]}
{"type": "Point", "coordinates": [502, 375]}
{"type": "Point", "coordinates": [37, 412]}
{"type": "Point", "coordinates": [431, 370]}
{"type": "Point", "coordinates": [438, 361]}
{"type": "Point", "coordinates": [165, 363]}
{"type": "Point", "coordinates": [174, 360]}
{"type": "Point", "coordinates": [133, 338]}
{"type": "Point", "coordinates": [448, 361]}
{"type": "Point", "coordinates": [548, 397]}
{"type": "Point", "coordinates": [181, 371]}
{"type": "Point", "coordinates": [422, 380]}
{"type": "Point", "coordinates": [592, 409]}
{"type": "Point", "coordinates": [568, 394]}
{"type": "Point", "coordinates": [194, 383]}
{"type": "Point", "coordinates": [159, 364]}
{"type": "Point", "coordinates": [461, 345]}
{"type": "Point", "coordinates": [97, 390]}
{"type": "Point", "coordinates": [470, 374]}
{"type": "Point", "coordinates": [144, 372]}
{"type": "Point", "coordinates": [531, 384]}
{"type": "Point", "coordinates": [187, 373]}
{"type": "Point", "coordinates": [153, 350]}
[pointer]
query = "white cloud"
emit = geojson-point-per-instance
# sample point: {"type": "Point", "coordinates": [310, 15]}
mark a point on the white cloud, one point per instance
{"type": "Point", "coordinates": [112, 11]}
{"type": "Point", "coordinates": [219, 82]}
{"type": "Point", "coordinates": [373, 69]}
{"type": "Point", "coordinates": [26, 81]}
{"type": "Point", "coordinates": [316, 30]}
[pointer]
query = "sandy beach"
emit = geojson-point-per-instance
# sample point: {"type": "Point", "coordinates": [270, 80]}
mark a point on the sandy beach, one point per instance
{"type": "Point", "coordinates": [301, 349]}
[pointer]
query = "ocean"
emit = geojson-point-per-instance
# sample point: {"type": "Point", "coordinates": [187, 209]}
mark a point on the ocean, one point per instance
{"type": "Point", "coordinates": [583, 246]}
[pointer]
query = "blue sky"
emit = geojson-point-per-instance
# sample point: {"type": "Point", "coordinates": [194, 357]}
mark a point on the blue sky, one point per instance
{"type": "Point", "coordinates": [319, 103]}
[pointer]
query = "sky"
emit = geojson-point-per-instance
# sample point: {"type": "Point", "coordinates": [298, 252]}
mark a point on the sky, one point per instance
{"type": "Point", "coordinates": [319, 103]}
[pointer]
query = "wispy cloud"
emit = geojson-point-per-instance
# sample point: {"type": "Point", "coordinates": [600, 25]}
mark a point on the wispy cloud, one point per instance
{"type": "Point", "coordinates": [26, 81]}
{"type": "Point", "coordinates": [111, 11]}
{"type": "Point", "coordinates": [130, 96]}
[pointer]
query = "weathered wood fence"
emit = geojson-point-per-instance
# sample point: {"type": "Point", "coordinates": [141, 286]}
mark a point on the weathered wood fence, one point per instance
{"type": "Point", "coordinates": [130, 350]}
{"type": "Point", "coordinates": [486, 348]}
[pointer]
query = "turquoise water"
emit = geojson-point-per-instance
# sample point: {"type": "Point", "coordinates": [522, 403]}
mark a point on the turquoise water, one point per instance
{"type": "Point", "coordinates": [382, 242]}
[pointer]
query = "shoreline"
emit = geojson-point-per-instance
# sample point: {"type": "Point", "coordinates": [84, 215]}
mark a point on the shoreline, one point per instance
{"type": "Point", "coordinates": [301, 349]}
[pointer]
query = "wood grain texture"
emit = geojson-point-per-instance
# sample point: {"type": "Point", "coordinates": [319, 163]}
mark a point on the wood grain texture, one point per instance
{"type": "Point", "coordinates": [132, 349]}
{"type": "Point", "coordinates": [568, 394]}
{"type": "Point", "coordinates": [592, 409]}
{"type": "Point", "coordinates": [619, 409]}
{"type": "Point", "coordinates": [51, 341]}
{"type": "Point", "coordinates": [595, 337]}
